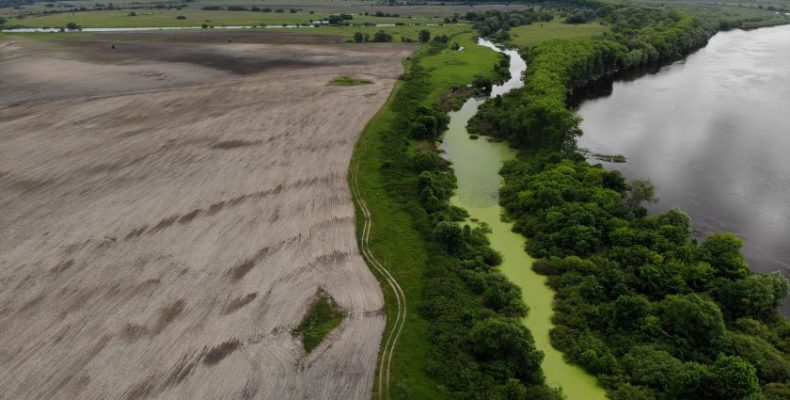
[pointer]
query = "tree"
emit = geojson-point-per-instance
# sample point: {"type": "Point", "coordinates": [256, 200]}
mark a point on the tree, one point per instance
{"type": "Point", "coordinates": [72, 26]}
{"type": "Point", "coordinates": [505, 347]}
{"type": "Point", "coordinates": [777, 391]}
{"type": "Point", "coordinates": [723, 252]}
{"type": "Point", "coordinates": [449, 235]}
{"type": "Point", "coordinates": [755, 296]}
{"type": "Point", "coordinates": [659, 281]}
{"type": "Point", "coordinates": [425, 35]}
{"type": "Point", "coordinates": [441, 39]}
{"type": "Point", "coordinates": [359, 37]}
{"type": "Point", "coordinates": [628, 392]}
{"type": "Point", "coordinates": [2, 20]}
{"type": "Point", "coordinates": [335, 20]}
{"type": "Point", "coordinates": [696, 324]}
{"type": "Point", "coordinates": [734, 378]}
{"type": "Point", "coordinates": [502, 296]}
{"type": "Point", "coordinates": [382, 36]}
{"type": "Point", "coordinates": [650, 367]}
{"type": "Point", "coordinates": [689, 381]}
{"type": "Point", "coordinates": [770, 363]}
{"type": "Point", "coordinates": [628, 312]}
{"type": "Point", "coordinates": [641, 191]}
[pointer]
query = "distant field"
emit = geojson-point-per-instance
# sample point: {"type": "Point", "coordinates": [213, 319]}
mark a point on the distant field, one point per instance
{"type": "Point", "coordinates": [317, 6]}
{"type": "Point", "coordinates": [397, 32]}
{"type": "Point", "coordinates": [194, 17]}
{"type": "Point", "coordinates": [531, 35]}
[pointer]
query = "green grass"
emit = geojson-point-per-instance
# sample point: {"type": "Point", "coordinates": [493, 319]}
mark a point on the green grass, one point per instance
{"type": "Point", "coordinates": [539, 32]}
{"type": "Point", "coordinates": [346, 80]}
{"type": "Point", "coordinates": [394, 240]}
{"type": "Point", "coordinates": [454, 68]}
{"type": "Point", "coordinates": [323, 317]}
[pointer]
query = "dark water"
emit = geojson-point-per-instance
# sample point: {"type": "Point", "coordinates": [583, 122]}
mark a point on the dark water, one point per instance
{"type": "Point", "coordinates": [713, 133]}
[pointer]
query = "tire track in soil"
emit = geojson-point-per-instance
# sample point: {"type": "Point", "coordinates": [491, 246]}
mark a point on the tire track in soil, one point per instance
{"type": "Point", "coordinates": [387, 350]}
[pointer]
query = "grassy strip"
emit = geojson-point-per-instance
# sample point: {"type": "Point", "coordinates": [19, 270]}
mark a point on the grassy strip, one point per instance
{"type": "Point", "coordinates": [398, 245]}
{"type": "Point", "coordinates": [323, 317]}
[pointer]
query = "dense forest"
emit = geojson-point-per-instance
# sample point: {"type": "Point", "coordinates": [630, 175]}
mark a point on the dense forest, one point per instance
{"type": "Point", "coordinates": [651, 312]}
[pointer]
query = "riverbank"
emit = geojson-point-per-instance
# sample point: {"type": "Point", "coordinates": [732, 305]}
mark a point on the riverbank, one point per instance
{"type": "Point", "coordinates": [633, 291]}
{"type": "Point", "coordinates": [476, 164]}
{"type": "Point", "coordinates": [740, 120]}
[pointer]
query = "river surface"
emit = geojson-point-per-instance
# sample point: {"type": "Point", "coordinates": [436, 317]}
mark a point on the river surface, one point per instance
{"type": "Point", "coordinates": [713, 133]}
{"type": "Point", "coordinates": [476, 164]}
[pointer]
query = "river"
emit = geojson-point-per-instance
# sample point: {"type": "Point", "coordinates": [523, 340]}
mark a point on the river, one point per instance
{"type": "Point", "coordinates": [476, 163]}
{"type": "Point", "coordinates": [713, 133]}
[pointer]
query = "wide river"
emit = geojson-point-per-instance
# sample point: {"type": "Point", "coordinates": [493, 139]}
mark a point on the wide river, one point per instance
{"type": "Point", "coordinates": [713, 133]}
{"type": "Point", "coordinates": [476, 164]}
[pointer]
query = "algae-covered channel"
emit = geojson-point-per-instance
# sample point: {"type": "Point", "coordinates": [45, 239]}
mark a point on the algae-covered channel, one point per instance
{"type": "Point", "coordinates": [476, 163]}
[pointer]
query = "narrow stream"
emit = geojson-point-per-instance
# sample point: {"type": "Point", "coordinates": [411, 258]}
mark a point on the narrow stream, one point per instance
{"type": "Point", "coordinates": [476, 163]}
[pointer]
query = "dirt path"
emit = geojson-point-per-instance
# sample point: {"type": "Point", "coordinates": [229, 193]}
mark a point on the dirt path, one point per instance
{"type": "Point", "coordinates": [391, 341]}
{"type": "Point", "coordinates": [166, 223]}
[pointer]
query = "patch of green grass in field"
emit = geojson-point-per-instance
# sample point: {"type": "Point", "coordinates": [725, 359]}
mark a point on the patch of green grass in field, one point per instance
{"type": "Point", "coordinates": [324, 316]}
{"type": "Point", "coordinates": [346, 80]}
{"type": "Point", "coordinates": [539, 32]}
{"type": "Point", "coordinates": [394, 240]}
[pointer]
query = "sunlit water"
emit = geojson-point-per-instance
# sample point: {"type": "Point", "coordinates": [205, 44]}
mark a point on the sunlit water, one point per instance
{"type": "Point", "coordinates": [476, 164]}
{"type": "Point", "coordinates": [713, 133]}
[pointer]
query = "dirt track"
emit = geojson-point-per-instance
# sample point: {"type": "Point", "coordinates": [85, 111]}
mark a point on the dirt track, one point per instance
{"type": "Point", "coordinates": [164, 222]}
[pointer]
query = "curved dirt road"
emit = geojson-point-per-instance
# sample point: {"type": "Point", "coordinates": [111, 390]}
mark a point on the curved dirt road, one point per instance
{"type": "Point", "coordinates": [392, 336]}
{"type": "Point", "coordinates": [166, 223]}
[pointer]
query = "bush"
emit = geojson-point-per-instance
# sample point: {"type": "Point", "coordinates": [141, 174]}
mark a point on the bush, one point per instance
{"type": "Point", "coordinates": [425, 35]}
{"type": "Point", "coordinates": [382, 36]}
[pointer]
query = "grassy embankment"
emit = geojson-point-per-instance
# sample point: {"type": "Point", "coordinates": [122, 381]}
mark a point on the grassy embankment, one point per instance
{"type": "Point", "coordinates": [394, 240]}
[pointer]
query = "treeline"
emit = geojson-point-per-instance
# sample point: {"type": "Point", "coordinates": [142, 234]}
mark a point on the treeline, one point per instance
{"type": "Point", "coordinates": [537, 115]}
{"type": "Point", "coordinates": [654, 314]}
{"type": "Point", "coordinates": [497, 22]}
{"type": "Point", "coordinates": [253, 8]}
{"type": "Point", "coordinates": [480, 349]}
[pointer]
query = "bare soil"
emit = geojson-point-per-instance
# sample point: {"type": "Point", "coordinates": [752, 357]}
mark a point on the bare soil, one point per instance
{"type": "Point", "coordinates": [168, 212]}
